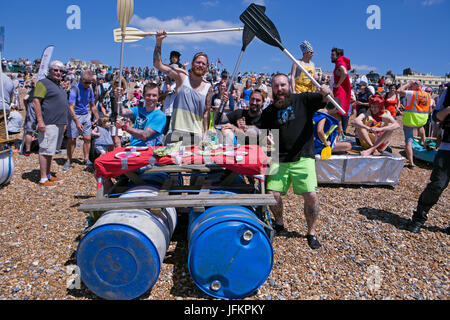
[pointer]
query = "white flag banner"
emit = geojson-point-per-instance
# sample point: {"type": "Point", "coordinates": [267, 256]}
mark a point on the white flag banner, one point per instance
{"type": "Point", "coordinates": [45, 61]}
{"type": "Point", "coordinates": [2, 39]}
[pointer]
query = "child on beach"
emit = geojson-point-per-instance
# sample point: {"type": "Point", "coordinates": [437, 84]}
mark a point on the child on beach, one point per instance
{"type": "Point", "coordinates": [103, 141]}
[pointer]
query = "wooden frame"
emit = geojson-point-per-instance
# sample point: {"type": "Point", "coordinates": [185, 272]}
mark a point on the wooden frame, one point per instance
{"type": "Point", "coordinates": [169, 197]}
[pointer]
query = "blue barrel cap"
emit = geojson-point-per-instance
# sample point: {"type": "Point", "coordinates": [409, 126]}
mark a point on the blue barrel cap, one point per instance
{"type": "Point", "coordinates": [118, 262]}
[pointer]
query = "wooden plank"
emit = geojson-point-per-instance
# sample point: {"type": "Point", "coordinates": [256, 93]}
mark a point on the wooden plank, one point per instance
{"type": "Point", "coordinates": [188, 201]}
{"type": "Point", "coordinates": [186, 168]}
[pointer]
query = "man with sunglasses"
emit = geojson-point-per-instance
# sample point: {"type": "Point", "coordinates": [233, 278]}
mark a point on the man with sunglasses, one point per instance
{"type": "Point", "coordinates": [50, 105]}
{"type": "Point", "coordinates": [81, 103]}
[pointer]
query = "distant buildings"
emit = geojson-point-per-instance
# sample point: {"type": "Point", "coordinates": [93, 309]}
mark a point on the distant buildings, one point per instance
{"type": "Point", "coordinates": [427, 79]}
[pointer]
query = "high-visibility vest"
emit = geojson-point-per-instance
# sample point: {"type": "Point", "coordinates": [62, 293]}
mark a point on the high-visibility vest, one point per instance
{"type": "Point", "coordinates": [418, 109]}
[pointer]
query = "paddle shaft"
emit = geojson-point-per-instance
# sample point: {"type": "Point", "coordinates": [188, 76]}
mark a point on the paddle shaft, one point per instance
{"type": "Point", "coordinates": [286, 52]}
{"type": "Point", "coordinates": [222, 105]}
{"type": "Point", "coordinates": [119, 103]}
{"type": "Point", "coordinates": [181, 33]}
{"type": "Point", "coordinates": [3, 98]}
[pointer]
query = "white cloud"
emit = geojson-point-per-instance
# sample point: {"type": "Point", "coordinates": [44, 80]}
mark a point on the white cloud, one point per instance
{"type": "Point", "coordinates": [189, 23]}
{"type": "Point", "coordinates": [363, 67]}
{"type": "Point", "coordinates": [428, 3]}
{"type": "Point", "coordinates": [210, 3]}
{"type": "Point", "coordinates": [249, 2]}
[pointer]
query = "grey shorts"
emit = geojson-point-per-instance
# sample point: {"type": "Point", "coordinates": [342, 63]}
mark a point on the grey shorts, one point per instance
{"type": "Point", "coordinates": [85, 120]}
{"type": "Point", "coordinates": [51, 139]}
{"type": "Point", "coordinates": [29, 125]}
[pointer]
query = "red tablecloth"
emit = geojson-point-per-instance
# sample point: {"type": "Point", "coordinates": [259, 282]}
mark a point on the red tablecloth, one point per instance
{"type": "Point", "coordinates": [253, 161]}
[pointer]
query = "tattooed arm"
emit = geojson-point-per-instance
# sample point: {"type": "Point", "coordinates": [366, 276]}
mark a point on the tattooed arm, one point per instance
{"type": "Point", "coordinates": [177, 74]}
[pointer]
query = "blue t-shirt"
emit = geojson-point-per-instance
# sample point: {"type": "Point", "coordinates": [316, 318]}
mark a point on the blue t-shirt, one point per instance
{"type": "Point", "coordinates": [247, 94]}
{"type": "Point", "coordinates": [81, 97]}
{"type": "Point", "coordinates": [155, 120]}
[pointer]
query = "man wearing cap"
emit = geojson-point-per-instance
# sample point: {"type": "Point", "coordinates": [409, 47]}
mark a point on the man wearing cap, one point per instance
{"type": "Point", "coordinates": [417, 108]}
{"type": "Point", "coordinates": [81, 103]}
{"type": "Point", "coordinates": [375, 127]}
{"type": "Point", "coordinates": [299, 81]}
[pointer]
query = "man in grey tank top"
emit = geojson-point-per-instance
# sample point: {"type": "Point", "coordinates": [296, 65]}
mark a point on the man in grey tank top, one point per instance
{"type": "Point", "coordinates": [191, 107]}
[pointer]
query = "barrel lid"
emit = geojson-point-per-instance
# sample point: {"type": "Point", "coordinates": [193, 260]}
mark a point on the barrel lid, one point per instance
{"type": "Point", "coordinates": [118, 262]}
{"type": "Point", "coordinates": [230, 259]}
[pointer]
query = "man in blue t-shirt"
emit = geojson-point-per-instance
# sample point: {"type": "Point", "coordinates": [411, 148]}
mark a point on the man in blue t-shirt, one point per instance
{"type": "Point", "coordinates": [148, 121]}
{"type": "Point", "coordinates": [81, 103]}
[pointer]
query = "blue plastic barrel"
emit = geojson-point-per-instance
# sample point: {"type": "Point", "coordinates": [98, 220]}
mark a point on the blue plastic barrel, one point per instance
{"type": "Point", "coordinates": [230, 254]}
{"type": "Point", "coordinates": [6, 166]}
{"type": "Point", "coordinates": [121, 255]}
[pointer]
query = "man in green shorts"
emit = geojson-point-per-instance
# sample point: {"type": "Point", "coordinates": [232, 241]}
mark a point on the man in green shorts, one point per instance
{"type": "Point", "coordinates": [292, 116]}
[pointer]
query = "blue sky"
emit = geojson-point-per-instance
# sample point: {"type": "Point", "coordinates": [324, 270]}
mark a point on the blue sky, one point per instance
{"type": "Point", "coordinates": [413, 33]}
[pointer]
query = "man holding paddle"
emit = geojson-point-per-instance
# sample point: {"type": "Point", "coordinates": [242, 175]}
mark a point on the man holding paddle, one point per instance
{"type": "Point", "coordinates": [292, 115]}
{"type": "Point", "coordinates": [191, 107]}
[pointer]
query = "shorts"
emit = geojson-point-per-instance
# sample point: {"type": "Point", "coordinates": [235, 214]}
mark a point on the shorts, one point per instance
{"type": "Point", "coordinates": [409, 133]}
{"type": "Point", "coordinates": [85, 120]}
{"type": "Point", "coordinates": [302, 175]}
{"type": "Point", "coordinates": [30, 123]}
{"type": "Point", "coordinates": [102, 147]}
{"type": "Point", "coordinates": [51, 139]}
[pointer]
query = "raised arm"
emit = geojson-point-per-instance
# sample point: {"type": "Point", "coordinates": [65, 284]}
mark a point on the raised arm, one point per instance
{"type": "Point", "coordinates": [177, 74]}
{"type": "Point", "coordinates": [293, 72]}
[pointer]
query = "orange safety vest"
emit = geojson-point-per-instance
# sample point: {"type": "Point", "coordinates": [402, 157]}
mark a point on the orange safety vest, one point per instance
{"type": "Point", "coordinates": [416, 112]}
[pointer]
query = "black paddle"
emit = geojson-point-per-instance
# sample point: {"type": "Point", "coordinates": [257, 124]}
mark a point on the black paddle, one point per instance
{"type": "Point", "coordinates": [255, 19]}
{"type": "Point", "coordinates": [247, 36]}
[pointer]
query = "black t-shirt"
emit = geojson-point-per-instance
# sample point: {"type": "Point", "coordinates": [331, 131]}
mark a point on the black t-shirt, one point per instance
{"type": "Point", "coordinates": [235, 115]}
{"type": "Point", "coordinates": [295, 125]}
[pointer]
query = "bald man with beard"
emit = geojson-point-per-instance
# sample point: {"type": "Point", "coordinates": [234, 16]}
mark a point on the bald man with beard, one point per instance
{"type": "Point", "coordinates": [292, 115]}
{"type": "Point", "coordinates": [191, 107]}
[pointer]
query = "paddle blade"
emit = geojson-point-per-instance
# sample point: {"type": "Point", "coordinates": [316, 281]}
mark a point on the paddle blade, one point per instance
{"type": "Point", "coordinates": [326, 153]}
{"type": "Point", "coordinates": [247, 37]}
{"type": "Point", "coordinates": [131, 35]}
{"type": "Point", "coordinates": [124, 12]}
{"type": "Point", "coordinates": [255, 19]}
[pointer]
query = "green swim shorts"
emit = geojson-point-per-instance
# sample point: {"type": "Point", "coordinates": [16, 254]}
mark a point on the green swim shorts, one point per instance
{"type": "Point", "coordinates": [302, 175]}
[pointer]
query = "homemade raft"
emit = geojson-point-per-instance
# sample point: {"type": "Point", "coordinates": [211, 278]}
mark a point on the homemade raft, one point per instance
{"type": "Point", "coordinates": [427, 153]}
{"type": "Point", "coordinates": [360, 170]}
{"type": "Point", "coordinates": [222, 190]}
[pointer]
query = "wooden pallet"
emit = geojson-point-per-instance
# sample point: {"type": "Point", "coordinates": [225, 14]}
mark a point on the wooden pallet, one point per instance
{"type": "Point", "coordinates": [172, 195]}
